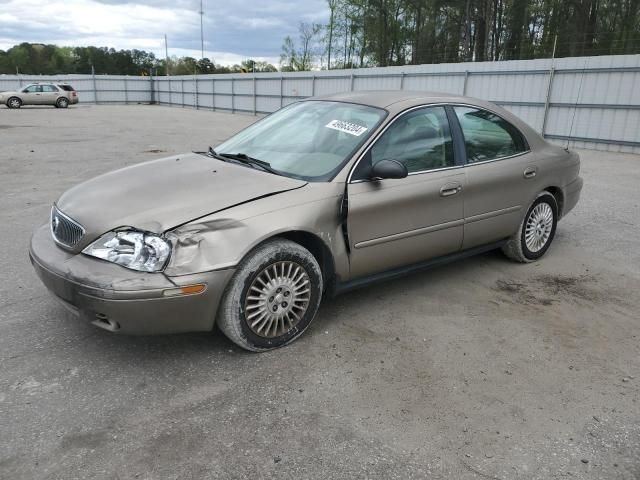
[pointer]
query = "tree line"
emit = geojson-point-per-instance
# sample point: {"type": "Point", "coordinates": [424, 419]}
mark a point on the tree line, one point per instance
{"type": "Point", "coordinates": [39, 59]}
{"type": "Point", "coordinates": [363, 33]}
{"type": "Point", "coordinates": [367, 33]}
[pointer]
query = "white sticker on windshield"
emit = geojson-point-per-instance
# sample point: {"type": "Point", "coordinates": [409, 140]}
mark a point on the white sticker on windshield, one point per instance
{"type": "Point", "coordinates": [346, 127]}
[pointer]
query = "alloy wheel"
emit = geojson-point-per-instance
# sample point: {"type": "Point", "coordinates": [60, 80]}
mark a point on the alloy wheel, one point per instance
{"type": "Point", "coordinates": [539, 226]}
{"type": "Point", "coordinates": [277, 299]}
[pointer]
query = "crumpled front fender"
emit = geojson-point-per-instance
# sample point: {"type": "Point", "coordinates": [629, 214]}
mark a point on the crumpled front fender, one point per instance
{"type": "Point", "coordinates": [222, 240]}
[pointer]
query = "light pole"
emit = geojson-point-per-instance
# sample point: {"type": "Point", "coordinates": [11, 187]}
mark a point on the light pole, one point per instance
{"type": "Point", "coordinates": [166, 53]}
{"type": "Point", "coordinates": [201, 30]}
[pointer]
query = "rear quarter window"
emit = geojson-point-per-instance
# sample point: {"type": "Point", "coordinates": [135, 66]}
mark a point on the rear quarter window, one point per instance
{"type": "Point", "coordinates": [67, 88]}
{"type": "Point", "coordinates": [488, 136]}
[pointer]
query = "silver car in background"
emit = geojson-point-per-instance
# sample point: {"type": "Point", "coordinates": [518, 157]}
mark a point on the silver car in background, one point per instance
{"type": "Point", "coordinates": [59, 95]}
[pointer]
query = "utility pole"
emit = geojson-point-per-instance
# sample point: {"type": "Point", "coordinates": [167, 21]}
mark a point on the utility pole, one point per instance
{"type": "Point", "coordinates": [201, 30]}
{"type": "Point", "coordinates": [166, 53]}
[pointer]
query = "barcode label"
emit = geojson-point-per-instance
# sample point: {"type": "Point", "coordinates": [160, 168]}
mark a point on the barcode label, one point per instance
{"type": "Point", "coordinates": [346, 127]}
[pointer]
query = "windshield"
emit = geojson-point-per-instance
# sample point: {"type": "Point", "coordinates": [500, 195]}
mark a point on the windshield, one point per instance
{"type": "Point", "coordinates": [309, 140]}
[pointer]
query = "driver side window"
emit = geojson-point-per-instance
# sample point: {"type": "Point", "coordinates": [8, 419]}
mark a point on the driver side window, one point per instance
{"type": "Point", "coordinates": [420, 139]}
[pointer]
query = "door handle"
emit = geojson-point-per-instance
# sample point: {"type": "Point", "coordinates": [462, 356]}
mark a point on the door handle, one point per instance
{"type": "Point", "coordinates": [450, 189]}
{"type": "Point", "coordinates": [530, 172]}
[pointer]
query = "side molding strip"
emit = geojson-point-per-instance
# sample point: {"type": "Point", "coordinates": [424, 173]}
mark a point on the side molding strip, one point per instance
{"type": "Point", "coordinates": [495, 213]}
{"type": "Point", "coordinates": [410, 233]}
{"type": "Point", "coordinates": [435, 228]}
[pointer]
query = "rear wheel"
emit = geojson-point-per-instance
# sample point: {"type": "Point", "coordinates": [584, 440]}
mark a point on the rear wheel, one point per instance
{"type": "Point", "coordinates": [272, 298]}
{"type": "Point", "coordinates": [536, 232]}
{"type": "Point", "coordinates": [62, 103]}
{"type": "Point", "coordinates": [14, 102]}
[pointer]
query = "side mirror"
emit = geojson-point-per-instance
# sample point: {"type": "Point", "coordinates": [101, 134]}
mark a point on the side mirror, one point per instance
{"type": "Point", "coordinates": [389, 169]}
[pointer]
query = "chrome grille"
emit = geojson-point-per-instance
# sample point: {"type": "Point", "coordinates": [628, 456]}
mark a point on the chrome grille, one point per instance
{"type": "Point", "coordinates": [65, 231]}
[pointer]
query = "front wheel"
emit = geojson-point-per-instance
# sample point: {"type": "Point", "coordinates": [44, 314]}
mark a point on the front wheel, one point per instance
{"type": "Point", "coordinates": [536, 231]}
{"type": "Point", "coordinates": [272, 298]}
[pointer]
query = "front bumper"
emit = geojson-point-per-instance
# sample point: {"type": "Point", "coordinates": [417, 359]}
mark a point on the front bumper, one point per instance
{"type": "Point", "coordinates": [122, 300]}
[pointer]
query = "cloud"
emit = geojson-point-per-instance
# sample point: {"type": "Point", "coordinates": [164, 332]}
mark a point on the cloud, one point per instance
{"type": "Point", "coordinates": [233, 30]}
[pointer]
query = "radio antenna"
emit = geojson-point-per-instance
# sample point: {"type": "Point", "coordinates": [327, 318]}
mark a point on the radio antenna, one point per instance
{"type": "Point", "coordinates": [575, 105]}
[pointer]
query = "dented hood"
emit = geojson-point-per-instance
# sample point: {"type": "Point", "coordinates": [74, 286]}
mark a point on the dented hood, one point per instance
{"type": "Point", "coordinates": [159, 195]}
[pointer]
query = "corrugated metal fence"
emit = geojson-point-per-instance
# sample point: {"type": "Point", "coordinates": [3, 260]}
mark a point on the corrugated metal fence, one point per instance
{"type": "Point", "coordinates": [594, 102]}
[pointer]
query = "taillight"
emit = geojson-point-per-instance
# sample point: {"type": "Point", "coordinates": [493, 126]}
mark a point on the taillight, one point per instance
{"type": "Point", "coordinates": [74, 94]}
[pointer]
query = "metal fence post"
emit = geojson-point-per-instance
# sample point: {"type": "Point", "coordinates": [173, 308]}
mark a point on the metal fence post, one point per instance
{"type": "Point", "coordinates": [233, 92]}
{"type": "Point", "coordinates": [464, 85]}
{"type": "Point", "coordinates": [182, 90]}
{"type": "Point", "coordinates": [313, 85]}
{"type": "Point", "coordinates": [547, 101]}
{"type": "Point", "coordinates": [95, 89]}
{"type": "Point", "coordinates": [126, 93]}
{"type": "Point", "coordinates": [351, 82]}
{"type": "Point", "coordinates": [254, 93]}
{"type": "Point", "coordinates": [402, 81]}
{"type": "Point", "coordinates": [281, 89]}
{"type": "Point", "coordinates": [213, 94]}
{"type": "Point", "coordinates": [151, 99]}
{"type": "Point", "coordinates": [195, 96]}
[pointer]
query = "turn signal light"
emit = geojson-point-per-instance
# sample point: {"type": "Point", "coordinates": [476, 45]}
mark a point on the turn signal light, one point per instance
{"type": "Point", "coordinates": [188, 290]}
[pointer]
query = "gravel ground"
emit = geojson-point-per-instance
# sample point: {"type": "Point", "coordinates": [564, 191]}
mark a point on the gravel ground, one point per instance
{"type": "Point", "coordinates": [480, 369]}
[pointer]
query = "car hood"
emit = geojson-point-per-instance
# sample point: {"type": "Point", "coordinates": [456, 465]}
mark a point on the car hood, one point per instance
{"type": "Point", "coordinates": [162, 194]}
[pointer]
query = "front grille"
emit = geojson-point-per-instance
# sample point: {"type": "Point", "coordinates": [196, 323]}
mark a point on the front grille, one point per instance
{"type": "Point", "coordinates": [65, 231]}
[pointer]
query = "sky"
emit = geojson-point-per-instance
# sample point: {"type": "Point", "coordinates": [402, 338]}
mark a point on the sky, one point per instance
{"type": "Point", "coordinates": [234, 30]}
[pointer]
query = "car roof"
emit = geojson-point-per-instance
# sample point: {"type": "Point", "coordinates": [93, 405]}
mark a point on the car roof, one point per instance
{"type": "Point", "coordinates": [385, 98]}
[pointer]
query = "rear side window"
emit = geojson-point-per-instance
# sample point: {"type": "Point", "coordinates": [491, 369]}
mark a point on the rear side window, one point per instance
{"type": "Point", "coordinates": [49, 88]}
{"type": "Point", "coordinates": [488, 136]}
{"type": "Point", "coordinates": [66, 88]}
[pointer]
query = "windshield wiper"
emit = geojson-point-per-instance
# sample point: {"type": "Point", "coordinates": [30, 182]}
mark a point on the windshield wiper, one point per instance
{"type": "Point", "coordinates": [212, 153]}
{"type": "Point", "coordinates": [241, 158]}
{"type": "Point", "coordinates": [247, 160]}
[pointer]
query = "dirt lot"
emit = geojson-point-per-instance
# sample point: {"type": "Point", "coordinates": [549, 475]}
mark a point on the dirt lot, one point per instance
{"type": "Point", "coordinates": [480, 369]}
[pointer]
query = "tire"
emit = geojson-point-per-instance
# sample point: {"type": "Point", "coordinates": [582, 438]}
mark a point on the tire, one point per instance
{"type": "Point", "coordinates": [542, 219]}
{"type": "Point", "coordinates": [62, 103]}
{"type": "Point", "coordinates": [14, 102]}
{"type": "Point", "coordinates": [280, 310]}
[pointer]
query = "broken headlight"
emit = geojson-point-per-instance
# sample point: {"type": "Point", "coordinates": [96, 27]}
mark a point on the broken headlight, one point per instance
{"type": "Point", "coordinates": [132, 249]}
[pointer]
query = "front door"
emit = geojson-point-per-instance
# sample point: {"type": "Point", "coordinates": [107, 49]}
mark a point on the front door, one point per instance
{"type": "Point", "coordinates": [31, 95]}
{"type": "Point", "coordinates": [393, 223]}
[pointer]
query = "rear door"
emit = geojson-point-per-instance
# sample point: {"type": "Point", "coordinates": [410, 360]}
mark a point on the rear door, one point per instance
{"type": "Point", "coordinates": [49, 95]}
{"type": "Point", "coordinates": [500, 172]}
{"type": "Point", "coordinates": [396, 222]}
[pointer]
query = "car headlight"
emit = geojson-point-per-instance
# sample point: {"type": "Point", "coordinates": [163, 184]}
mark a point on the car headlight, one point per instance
{"type": "Point", "coordinates": [142, 251]}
